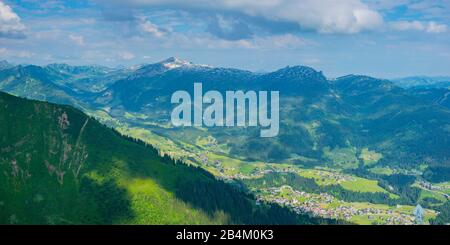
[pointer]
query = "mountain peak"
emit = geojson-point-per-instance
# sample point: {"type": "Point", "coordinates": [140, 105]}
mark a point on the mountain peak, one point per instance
{"type": "Point", "coordinates": [361, 79]}
{"type": "Point", "coordinates": [172, 59]}
{"type": "Point", "coordinates": [364, 83]}
{"type": "Point", "coordinates": [174, 62]}
{"type": "Point", "coordinates": [297, 72]}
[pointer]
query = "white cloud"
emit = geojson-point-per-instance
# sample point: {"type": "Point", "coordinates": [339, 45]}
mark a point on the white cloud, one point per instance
{"type": "Point", "coordinates": [436, 28]}
{"type": "Point", "coordinates": [325, 16]}
{"type": "Point", "coordinates": [148, 27]}
{"type": "Point", "coordinates": [77, 39]}
{"type": "Point", "coordinates": [430, 27]}
{"type": "Point", "coordinates": [125, 55]}
{"type": "Point", "coordinates": [10, 24]}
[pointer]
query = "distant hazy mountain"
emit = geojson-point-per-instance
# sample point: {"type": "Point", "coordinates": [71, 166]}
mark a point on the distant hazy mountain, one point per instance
{"type": "Point", "coordinates": [37, 83]}
{"type": "Point", "coordinates": [438, 96]}
{"type": "Point", "coordinates": [321, 120]}
{"type": "Point", "coordinates": [59, 83]}
{"type": "Point", "coordinates": [423, 82]}
{"type": "Point", "coordinates": [87, 78]}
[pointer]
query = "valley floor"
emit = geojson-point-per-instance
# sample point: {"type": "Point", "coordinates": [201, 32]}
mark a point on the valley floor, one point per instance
{"type": "Point", "coordinates": [257, 177]}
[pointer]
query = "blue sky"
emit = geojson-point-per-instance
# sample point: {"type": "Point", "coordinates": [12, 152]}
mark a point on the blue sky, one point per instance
{"type": "Point", "coordinates": [382, 38]}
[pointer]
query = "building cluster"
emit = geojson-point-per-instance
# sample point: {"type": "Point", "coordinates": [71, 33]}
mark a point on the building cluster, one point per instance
{"type": "Point", "coordinates": [430, 186]}
{"type": "Point", "coordinates": [322, 204]}
{"type": "Point", "coordinates": [319, 205]}
{"type": "Point", "coordinates": [436, 188]}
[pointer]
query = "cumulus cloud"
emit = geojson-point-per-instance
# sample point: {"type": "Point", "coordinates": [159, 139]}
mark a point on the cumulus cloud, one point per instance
{"type": "Point", "coordinates": [430, 27]}
{"type": "Point", "coordinates": [148, 27]}
{"type": "Point", "coordinates": [325, 16]}
{"type": "Point", "coordinates": [10, 24]}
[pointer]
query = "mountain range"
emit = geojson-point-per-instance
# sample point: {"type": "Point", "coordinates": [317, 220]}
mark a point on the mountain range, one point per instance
{"type": "Point", "coordinates": [409, 127]}
{"type": "Point", "coordinates": [391, 135]}
{"type": "Point", "coordinates": [423, 81]}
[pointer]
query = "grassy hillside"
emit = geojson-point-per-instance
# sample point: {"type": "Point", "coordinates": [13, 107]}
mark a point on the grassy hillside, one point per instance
{"type": "Point", "coordinates": [59, 166]}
